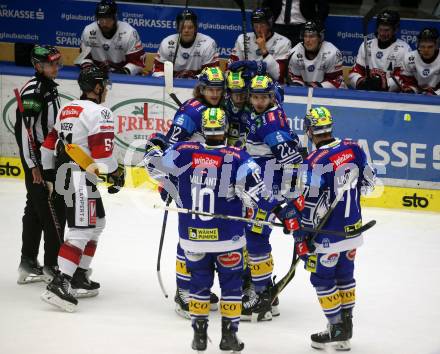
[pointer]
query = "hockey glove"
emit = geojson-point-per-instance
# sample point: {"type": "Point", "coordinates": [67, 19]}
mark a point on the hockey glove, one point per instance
{"type": "Point", "coordinates": [159, 140]}
{"type": "Point", "coordinates": [117, 180]}
{"type": "Point", "coordinates": [303, 152]}
{"type": "Point", "coordinates": [304, 243]}
{"type": "Point", "coordinates": [289, 213]}
{"type": "Point", "coordinates": [164, 195]}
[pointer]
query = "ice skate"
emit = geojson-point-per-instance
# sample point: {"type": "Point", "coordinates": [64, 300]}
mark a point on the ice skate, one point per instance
{"type": "Point", "coordinates": [335, 336]}
{"type": "Point", "coordinates": [182, 303]}
{"type": "Point", "coordinates": [58, 293]}
{"type": "Point", "coordinates": [230, 341]}
{"type": "Point", "coordinates": [29, 271]}
{"type": "Point", "coordinates": [82, 286]}
{"type": "Point", "coordinates": [200, 340]}
{"type": "Point", "coordinates": [257, 308]}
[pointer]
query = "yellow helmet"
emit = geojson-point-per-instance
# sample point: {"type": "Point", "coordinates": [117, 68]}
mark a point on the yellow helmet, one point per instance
{"type": "Point", "coordinates": [213, 121]}
{"type": "Point", "coordinates": [212, 76]}
{"type": "Point", "coordinates": [319, 120]}
{"type": "Point", "coordinates": [262, 84]}
{"type": "Point", "coordinates": [235, 82]}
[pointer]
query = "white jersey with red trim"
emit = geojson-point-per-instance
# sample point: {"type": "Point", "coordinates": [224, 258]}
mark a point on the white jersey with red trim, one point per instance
{"type": "Point", "coordinates": [278, 47]}
{"type": "Point", "coordinates": [420, 76]}
{"type": "Point", "coordinates": [388, 61]}
{"type": "Point", "coordinates": [324, 70]}
{"type": "Point", "coordinates": [124, 49]}
{"type": "Point", "coordinates": [89, 125]}
{"type": "Point", "coordinates": [202, 53]}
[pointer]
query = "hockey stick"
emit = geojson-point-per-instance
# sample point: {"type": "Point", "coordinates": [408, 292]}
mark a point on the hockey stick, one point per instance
{"type": "Point", "coordinates": [169, 87]}
{"type": "Point", "coordinates": [34, 158]}
{"type": "Point", "coordinates": [266, 223]}
{"type": "Point", "coordinates": [180, 34]}
{"type": "Point", "coordinates": [365, 21]}
{"type": "Point", "coordinates": [242, 7]}
{"type": "Point", "coordinates": [282, 283]}
{"type": "Point", "coordinates": [159, 253]}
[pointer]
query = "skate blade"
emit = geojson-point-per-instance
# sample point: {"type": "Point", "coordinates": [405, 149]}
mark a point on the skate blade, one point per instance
{"type": "Point", "coordinates": [275, 311]}
{"type": "Point", "coordinates": [28, 278]}
{"type": "Point", "coordinates": [338, 346]}
{"type": "Point", "coordinates": [246, 318]}
{"type": "Point", "coordinates": [257, 318]}
{"type": "Point", "coordinates": [82, 293]}
{"type": "Point", "coordinates": [182, 313]}
{"type": "Point", "coordinates": [54, 300]}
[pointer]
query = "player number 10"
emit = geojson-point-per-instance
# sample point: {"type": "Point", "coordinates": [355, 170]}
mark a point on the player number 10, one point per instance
{"type": "Point", "coordinates": [197, 196]}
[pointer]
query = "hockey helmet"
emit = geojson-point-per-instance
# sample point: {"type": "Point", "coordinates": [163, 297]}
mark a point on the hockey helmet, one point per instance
{"type": "Point", "coordinates": [186, 15]}
{"type": "Point", "coordinates": [212, 77]}
{"type": "Point", "coordinates": [389, 18]}
{"type": "Point", "coordinates": [235, 82]}
{"type": "Point", "coordinates": [312, 27]}
{"type": "Point", "coordinates": [429, 34]}
{"type": "Point", "coordinates": [106, 8]}
{"type": "Point", "coordinates": [319, 120]}
{"type": "Point", "coordinates": [262, 84]}
{"type": "Point", "coordinates": [262, 15]}
{"type": "Point", "coordinates": [92, 75]}
{"type": "Point", "coordinates": [45, 54]}
{"type": "Point", "coordinates": [213, 122]}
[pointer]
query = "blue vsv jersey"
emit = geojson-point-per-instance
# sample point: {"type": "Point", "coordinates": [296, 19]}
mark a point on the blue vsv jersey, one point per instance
{"type": "Point", "coordinates": [339, 167]}
{"type": "Point", "coordinates": [271, 139]}
{"type": "Point", "coordinates": [217, 180]}
{"type": "Point", "coordinates": [187, 122]}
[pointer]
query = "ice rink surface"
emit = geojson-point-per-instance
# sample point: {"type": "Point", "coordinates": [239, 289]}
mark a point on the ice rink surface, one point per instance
{"type": "Point", "coordinates": [397, 272]}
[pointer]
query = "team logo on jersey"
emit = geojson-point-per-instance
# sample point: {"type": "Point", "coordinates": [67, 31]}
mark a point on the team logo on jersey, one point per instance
{"type": "Point", "coordinates": [425, 72]}
{"type": "Point", "coordinates": [185, 55]}
{"type": "Point", "coordinates": [379, 55]}
{"type": "Point", "coordinates": [329, 260]}
{"type": "Point", "coordinates": [171, 42]}
{"type": "Point", "coordinates": [70, 112]}
{"type": "Point", "coordinates": [230, 259]}
{"type": "Point", "coordinates": [311, 68]}
{"type": "Point", "coordinates": [342, 158]}
{"type": "Point", "coordinates": [105, 46]}
{"type": "Point", "coordinates": [351, 254]}
{"type": "Point", "coordinates": [92, 212]}
{"type": "Point", "coordinates": [93, 33]}
{"type": "Point", "coordinates": [197, 234]}
{"type": "Point", "coordinates": [271, 117]}
{"type": "Point", "coordinates": [205, 160]}
{"type": "Point", "coordinates": [106, 116]}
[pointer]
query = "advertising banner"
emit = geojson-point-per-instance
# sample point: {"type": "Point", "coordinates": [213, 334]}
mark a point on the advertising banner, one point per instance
{"type": "Point", "coordinates": [61, 23]}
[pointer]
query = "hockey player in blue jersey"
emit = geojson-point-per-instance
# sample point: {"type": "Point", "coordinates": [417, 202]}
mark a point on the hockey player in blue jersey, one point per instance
{"type": "Point", "coordinates": [236, 108]}
{"type": "Point", "coordinates": [214, 178]}
{"type": "Point", "coordinates": [336, 166]}
{"type": "Point", "coordinates": [274, 147]}
{"type": "Point", "coordinates": [207, 93]}
{"type": "Point", "coordinates": [186, 125]}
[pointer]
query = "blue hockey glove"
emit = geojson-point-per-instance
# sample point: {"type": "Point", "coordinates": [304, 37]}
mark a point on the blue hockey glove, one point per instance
{"type": "Point", "coordinates": [157, 139]}
{"type": "Point", "coordinates": [289, 214]}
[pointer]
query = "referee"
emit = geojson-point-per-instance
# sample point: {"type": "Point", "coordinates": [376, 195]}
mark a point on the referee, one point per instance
{"type": "Point", "coordinates": [41, 104]}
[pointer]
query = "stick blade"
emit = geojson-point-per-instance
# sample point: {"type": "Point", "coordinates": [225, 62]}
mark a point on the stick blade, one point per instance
{"type": "Point", "coordinates": [169, 77]}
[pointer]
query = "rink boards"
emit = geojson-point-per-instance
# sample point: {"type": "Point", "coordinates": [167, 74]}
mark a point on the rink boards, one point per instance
{"type": "Point", "coordinates": [398, 132]}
